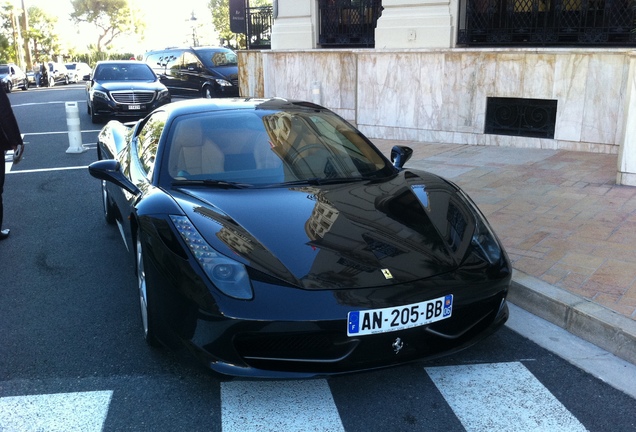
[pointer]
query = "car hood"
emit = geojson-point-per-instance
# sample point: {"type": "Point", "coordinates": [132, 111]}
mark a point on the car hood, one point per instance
{"type": "Point", "coordinates": [230, 73]}
{"type": "Point", "coordinates": [128, 85]}
{"type": "Point", "coordinates": [360, 235]}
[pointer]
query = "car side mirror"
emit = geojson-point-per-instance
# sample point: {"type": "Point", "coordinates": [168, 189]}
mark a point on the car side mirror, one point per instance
{"type": "Point", "coordinates": [110, 171]}
{"type": "Point", "coordinates": [400, 155]}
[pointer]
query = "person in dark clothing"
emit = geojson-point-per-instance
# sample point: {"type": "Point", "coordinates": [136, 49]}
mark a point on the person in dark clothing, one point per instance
{"type": "Point", "coordinates": [44, 74]}
{"type": "Point", "coordinates": [10, 139]}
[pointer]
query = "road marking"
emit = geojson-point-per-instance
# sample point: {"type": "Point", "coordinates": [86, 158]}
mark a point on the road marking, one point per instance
{"type": "Point", "coordinates": [278, 406]}
{"type": "Point", "coordinates": [61, 412]}
{"type": "Point", "coordinates": [42, 103]}
{"type": "Point", "coordinates": [44, 169]}
{"type": "Point", "coordinates": [501, 397]}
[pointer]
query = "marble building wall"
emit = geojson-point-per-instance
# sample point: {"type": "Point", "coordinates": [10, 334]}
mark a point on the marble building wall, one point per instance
{"type": "Point", "coordinates": [439, 95]}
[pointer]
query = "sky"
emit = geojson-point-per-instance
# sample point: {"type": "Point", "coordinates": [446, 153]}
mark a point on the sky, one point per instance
{"type": "Point", "coordinates": [165, 26]}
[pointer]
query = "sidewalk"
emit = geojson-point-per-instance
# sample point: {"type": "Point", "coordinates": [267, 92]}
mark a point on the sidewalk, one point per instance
{"type": "Point", "coordinates": [569, 231]}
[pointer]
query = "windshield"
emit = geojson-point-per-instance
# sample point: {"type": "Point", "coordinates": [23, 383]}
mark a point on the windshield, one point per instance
{"type": "Point", "coordinates": [216, 57]}
{"type": "Point", "coordinates": [124, 72]}
{"type": "Point", "coordinates": [70, 66]}
{"type": "Point", "coordinates": [271, 148]}
{"type": "Point", "coordinates": [4, 70]}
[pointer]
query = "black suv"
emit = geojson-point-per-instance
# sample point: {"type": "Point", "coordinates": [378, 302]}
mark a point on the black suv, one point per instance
{"type": "Point", "coordinates": [196, 72]}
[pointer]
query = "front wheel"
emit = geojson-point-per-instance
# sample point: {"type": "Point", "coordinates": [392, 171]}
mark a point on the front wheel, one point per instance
{"type": "Point", "coordinates": [94, 117]}
{"type": "Point", "coordinates": [109, 211]}
{"type": "Point", "coordinates": [145, 303]}
{"type": "Point", "coordinates": [208, 93]}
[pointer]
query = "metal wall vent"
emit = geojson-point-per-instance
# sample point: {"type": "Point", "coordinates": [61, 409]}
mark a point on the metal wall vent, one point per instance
{"type": "Point", "coordinates": [534, 118]}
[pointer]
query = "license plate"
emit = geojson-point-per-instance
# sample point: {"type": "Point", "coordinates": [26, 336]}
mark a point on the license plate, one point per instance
{"type": "Point", "coordinates": [134, 107]}
{"type": "Point", "coordinates": [392, 319]}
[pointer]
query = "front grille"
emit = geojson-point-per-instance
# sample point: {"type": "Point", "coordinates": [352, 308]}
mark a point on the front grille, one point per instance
{"type": "Point", "coordinates": [303, 347]}
{"type": "Point", "coordinates": [133, 97]}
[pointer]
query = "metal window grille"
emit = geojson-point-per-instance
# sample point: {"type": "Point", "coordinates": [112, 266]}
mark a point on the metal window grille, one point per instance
{"type": "Point", "coordinates": [259, 27]}
{"type": "Point", "coordinates": [348, 23]}
{"type": "Point", "coordinates": [547, 22]}
{"type": "Point", "coordinates": [534, 118]}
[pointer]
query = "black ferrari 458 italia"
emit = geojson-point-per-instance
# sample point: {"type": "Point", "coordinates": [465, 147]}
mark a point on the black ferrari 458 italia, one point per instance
{"type": "Point", "coordinates": [274, 240]}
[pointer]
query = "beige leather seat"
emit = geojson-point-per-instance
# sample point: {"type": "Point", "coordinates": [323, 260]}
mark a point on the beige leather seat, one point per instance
{"type": "Point", "coordinates": [193, 153]}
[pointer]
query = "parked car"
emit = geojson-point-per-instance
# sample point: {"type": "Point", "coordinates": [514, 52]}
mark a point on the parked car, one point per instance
{"type": "Point", "coordinates": [123, 88]}
{"type": "Point", "coordinates": [78, 71]}
{"type": "Point", "coordinates": [12, 77]}
{"type": "Point", "coordinates": [31, 79]}
{"type": "Point", "coordinates": [57, 73]}
{"type": "Point", "coordinates": [274, 240]}
{"type": "Point", "coordinates": [196, 71]}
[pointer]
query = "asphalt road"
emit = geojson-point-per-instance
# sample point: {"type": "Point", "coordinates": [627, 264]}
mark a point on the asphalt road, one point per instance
{"type": "Point", "coordinates": [72, 355]}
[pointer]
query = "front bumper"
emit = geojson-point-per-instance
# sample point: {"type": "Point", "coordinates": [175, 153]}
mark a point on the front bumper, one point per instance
{"type": "Point", "coordinates": [110, 108]}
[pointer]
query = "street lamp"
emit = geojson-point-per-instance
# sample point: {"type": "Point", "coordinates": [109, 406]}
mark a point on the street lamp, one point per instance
{"type": "Point", "coordinates": [195, 39]}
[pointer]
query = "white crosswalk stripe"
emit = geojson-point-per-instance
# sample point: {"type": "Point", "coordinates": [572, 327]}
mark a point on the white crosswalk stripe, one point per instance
{"type": "Point", "coordinates": [291, 406]}
{"type": "Point", "coordinates": [62, 412]}
{"type": "Point", "coordinates": [501, 397]}
{"type": "Point", "coordinates": [483, 397]}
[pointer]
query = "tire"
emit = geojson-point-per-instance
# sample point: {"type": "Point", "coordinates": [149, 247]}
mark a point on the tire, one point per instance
{"type": "Point", "coordinates": [25, 87]}
{"type": "Point", "coordinates": [207, 92]}
{"type": "Point", "coordinates": [9, 87]}
{"type": "Point", "coordinates": [94, 117]}
{"type": "Point", "coordinates": [109, 209]}
{"type": "Point", "coordinates": [148, 315]}
{"type": "Point", "coordinates": [66, 81]}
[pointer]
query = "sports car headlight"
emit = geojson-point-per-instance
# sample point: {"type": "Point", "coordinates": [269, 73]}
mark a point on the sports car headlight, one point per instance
{"type": "Point", "coordinates": [229, 276]}
{"type": "Point", "coordinates": [484, 241]}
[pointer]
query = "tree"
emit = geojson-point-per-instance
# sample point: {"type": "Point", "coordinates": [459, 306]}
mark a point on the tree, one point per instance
{"type": "Point", "coordinates": [41, 34]}
{"type": "Point", "coordinates": [112, 18]}
{"type": "Point", "coordinates": [9, 33]}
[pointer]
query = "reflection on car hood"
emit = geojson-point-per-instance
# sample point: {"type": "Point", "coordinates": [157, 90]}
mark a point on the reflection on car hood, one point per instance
{"type": "Point", "coordinates": [352, 235]}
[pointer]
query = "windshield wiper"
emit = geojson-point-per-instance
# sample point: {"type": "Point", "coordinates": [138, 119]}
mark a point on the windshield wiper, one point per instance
{"type": "Point", "coordinates": [211, 182]}
{"type": "Point", "coordinates": [320, 181]}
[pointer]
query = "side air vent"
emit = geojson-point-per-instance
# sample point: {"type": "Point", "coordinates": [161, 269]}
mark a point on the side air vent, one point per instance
{"type": "Point", "coordinates": [533, 118]}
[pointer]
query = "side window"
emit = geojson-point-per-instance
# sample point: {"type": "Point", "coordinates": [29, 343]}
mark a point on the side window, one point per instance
{"type": "Point", "coordinates": [148, 140]}
{"type": "Point", "coordinates": [190, 61]}
{"type": "Point", "coordinates": [175, 61]}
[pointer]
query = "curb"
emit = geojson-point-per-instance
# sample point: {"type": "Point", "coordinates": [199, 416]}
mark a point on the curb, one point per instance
{"type": "Point", "coordinates": [589, 321]}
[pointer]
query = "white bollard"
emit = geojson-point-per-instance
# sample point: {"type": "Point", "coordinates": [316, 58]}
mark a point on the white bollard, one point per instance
{"type": "Point", "coordinates": [74, 131]}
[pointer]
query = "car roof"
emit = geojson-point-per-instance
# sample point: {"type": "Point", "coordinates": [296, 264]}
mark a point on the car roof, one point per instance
{"type": "Point", "coordinates": [193, 106]}
{"type": "Point", "coordinates": [198, 48]}
{"type": "Point", "coordinates": [119, 62]}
